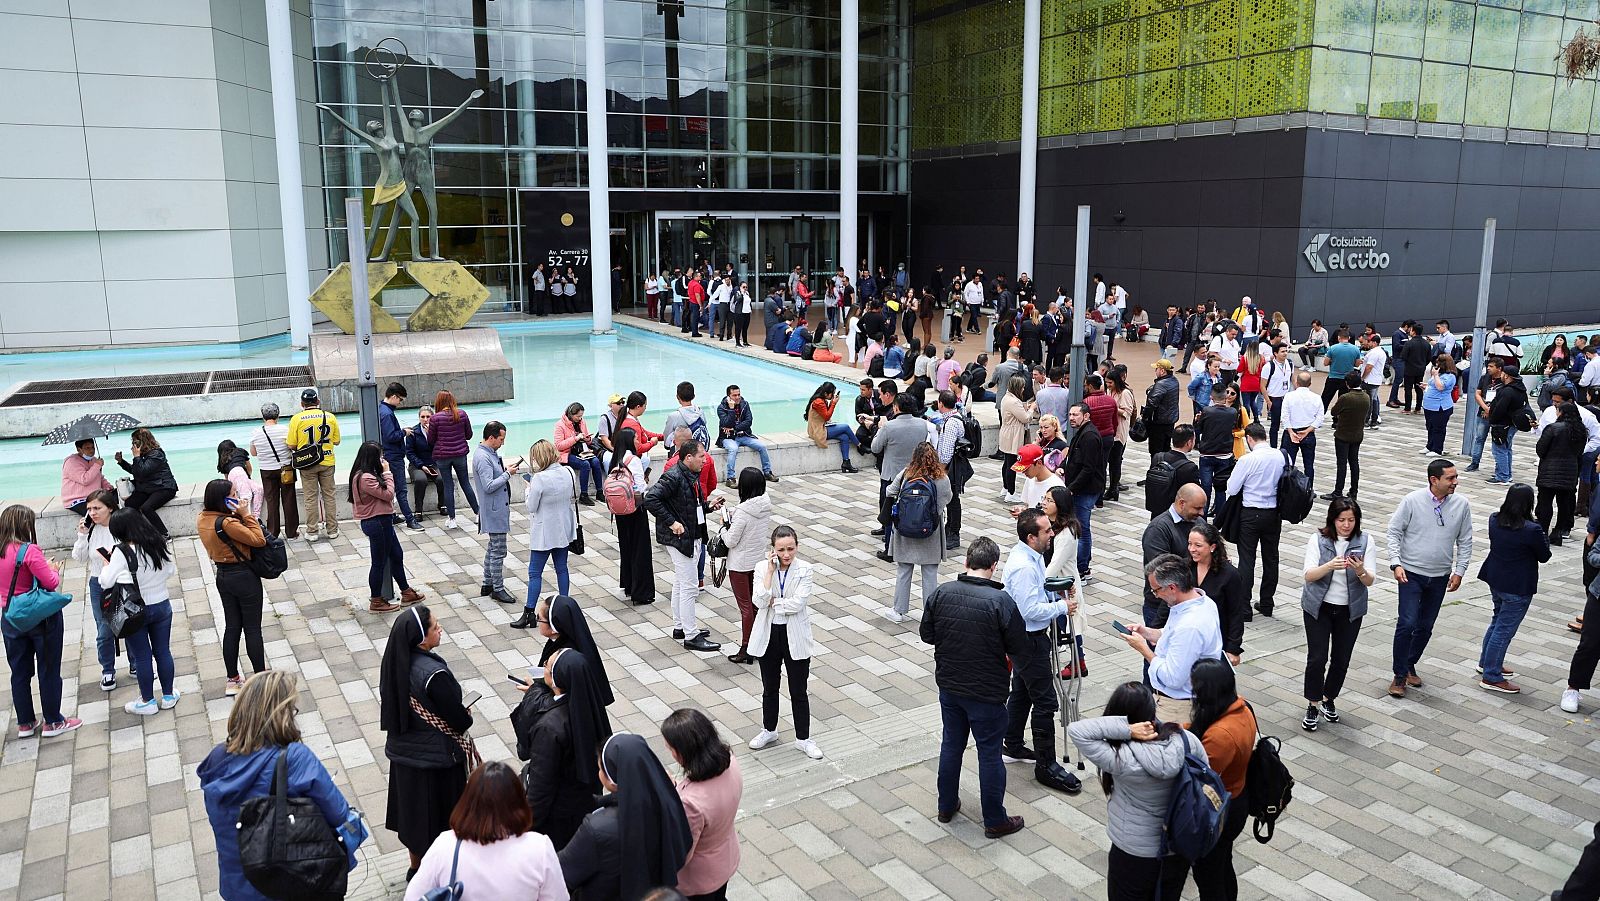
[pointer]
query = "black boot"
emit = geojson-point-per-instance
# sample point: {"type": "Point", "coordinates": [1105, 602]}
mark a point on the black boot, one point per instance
{"type": "Point", "coordinates": [525, 621]}
{"type": "Point", "coordinates": [1054, 775]}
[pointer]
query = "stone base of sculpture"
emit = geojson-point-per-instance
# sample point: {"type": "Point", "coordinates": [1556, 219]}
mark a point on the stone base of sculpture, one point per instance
{"type": "Point", "coordinates": [468, 362]}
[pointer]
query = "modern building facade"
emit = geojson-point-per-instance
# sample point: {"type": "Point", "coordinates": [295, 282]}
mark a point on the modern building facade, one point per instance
{"type": "Point", "coordinates": [1262, 147]}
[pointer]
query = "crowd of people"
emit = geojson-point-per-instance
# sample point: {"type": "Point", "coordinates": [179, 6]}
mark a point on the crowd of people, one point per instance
{"type": "Point", "coordinates": [594, 812]}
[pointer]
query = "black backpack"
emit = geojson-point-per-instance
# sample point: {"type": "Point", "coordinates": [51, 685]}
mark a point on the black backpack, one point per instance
{"type": "Point", "coordinates": [973, 437]}
{"type": "Point", "coordinates": [915, 510]}
{"type": "Point", "coordinates": [1269, 783]}
{"type": "Point", "coordinates": [1198, 806]}
{"type": "Point", "coordinates": [267, 562]}
{"type": "Point", "coordinates": [287, 849]}
{"type": "Point", "coordinates": [1294, 495]}
{"type": "Point", "coordinates": [1160, 487]}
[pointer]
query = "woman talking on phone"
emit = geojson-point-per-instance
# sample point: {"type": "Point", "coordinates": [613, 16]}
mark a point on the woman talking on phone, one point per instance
{"type": "Point", "coordinates": [781, 638]}
{"type": "Point", "coordinates": [1333, 600]}
{"type": "Point", "coordinates": [237, 586]}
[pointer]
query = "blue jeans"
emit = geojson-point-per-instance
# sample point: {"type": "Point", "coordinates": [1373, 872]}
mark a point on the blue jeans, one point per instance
{"type": "Point", "coordinates": [846, 438]}
{"type": "Point", "coordinates": [1478, 440]}
{"type": "Point", "coordinates": [1210, 469]}
{"type": "Point", "coordinates": [1399, 367]}
{"type": "Point", "coordinates": [1502, 456]}
{"type": "Point", "coordinates": [105, 644]}
{"type": "Point", "coordinates": [987, 724]}
{"type": "Point", "coordinates": [732, 445]}
{"type": "Point", "coordinates": [714, 311]}
{"type": "Point", "coordinates": [1420, 599]}
{"type": "Point", "coordinates": [155, 639]}
{"type": "Point", "coordinates": [1083, 506]}
{"type": "Point", "coordinates": [450, 469]}
{"type": "Point", "coordinates": [677, 311]}
{"type": "Point", "coordinates": [1509, 609]}
{"type": "Point", "coordinates": [397, 465]}
{"type": "Point", "coordinates": [588, 469]}
{"type": "Point", "coordinates": [387, 555]}
{"type": "Point", "coordinates": [536, 562]}
{"type": "Point", "coordinates": [1307, 448]}
{"type": "Point", "coordinates": [38, 649]}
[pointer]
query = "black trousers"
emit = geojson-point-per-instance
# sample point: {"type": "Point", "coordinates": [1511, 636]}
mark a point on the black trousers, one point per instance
{"type": "Point", "coordinates": [1159, 436]}
{"type": "Point", "coordinates": [1033, 691]}
{"type": "Point", "coordinates": [1347, 453]}
{"type": "Point", "coordinates": [773, 664]}
{"type": "Point", "coordinates": [1114, 468]}
{"type": "Point", "coordinates": [952, 517]}
{"type": "Point", "coordinates": [1008, 476]}
{"type": "Point", "coordinates": [1334, 387]}
{"type": "Point", "coordinates": [1565, 499]}
{"type": "Point", "coordinates": [1413, 387]}
{"type": "Point", "coordinates": [241, 594]}
{"type": "Point", "coordinates": [637, 579]}
{"type": "Point", "coordinates": [1581, 674]}
{"type": "Point", "coordinates": [741, 327]}
{"type": "Point", "coordinates": [1130, 878]}
{"type": "Point", "coordinates": [148, 502]}
{"type": "Point", "coordinates": [1213, 873]}
{"type": "Point", "coordinates": [1584, 883]}
{"type": "Point", "coordinates": [1261, 528]}
{"type": "Point", "coordinates": [1330, 639]}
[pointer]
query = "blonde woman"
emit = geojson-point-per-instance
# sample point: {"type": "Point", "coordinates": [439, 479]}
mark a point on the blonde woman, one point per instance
{"type": "Point", "coordinates": [261, 728]}
{"type": "Point", "coordinates": [1015, 414]}
{"type": "Point", "coordinates": [1051, 439]}
{"type": "Point", "coordinates": [552, 499]}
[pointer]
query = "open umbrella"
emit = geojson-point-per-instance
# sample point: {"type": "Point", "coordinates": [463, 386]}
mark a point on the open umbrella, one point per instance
{"type": "Point", "coordinates": [95, 425]}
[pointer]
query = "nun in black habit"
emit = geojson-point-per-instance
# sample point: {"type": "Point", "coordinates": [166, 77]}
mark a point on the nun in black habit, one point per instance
{"type": "Point", "coordinates": [561, 621]}
{"type": "Point", "coordinates": [565, 730]}
{"type": "Point", "coordinates": [429, 752]}
{"type": "Point", "coordinates": [639, 837]}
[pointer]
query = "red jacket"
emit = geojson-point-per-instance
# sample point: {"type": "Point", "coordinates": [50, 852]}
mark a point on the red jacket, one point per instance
{"type": "Point", "coordinates": [1102, 412]}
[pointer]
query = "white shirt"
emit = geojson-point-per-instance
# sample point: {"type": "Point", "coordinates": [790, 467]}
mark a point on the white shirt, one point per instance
{"type": "Point", "coordinates": [1302, 410]}
{"type": "Point", "coordinates": [1120, 298]}
{"type": "Point", "coordinates": [1193, 632]}
{"type": "Point", "coordinates": [720, 293]}
{"type": "Point", "coordinates": [972, 294]}
{"type": "Point", "coordinates": [1590, 425]}
{"type": "Point", "coordinates": [651, 286]}
{"type": "Point", "coordinates": [269, 447]}
{"type": "Point", "coordinates": [1227, 349]}
{"type": "Point", "coordinates": [1339, 585]}
{"type": "Point", "coordinates": [1376, 359]}
{"type": "Point", "coordinates": [1275, 377]}
{"type": "Point", "coordinates": [1256, 475]}
{"type": "Point", "coordinates": [1033, 490]}
{"type": "Point", "coordinates": [1591, 373]}
{"type": "Point", "coordinates": [1099, 293]}
{"type": "Point", "coordinates": [152, 581]}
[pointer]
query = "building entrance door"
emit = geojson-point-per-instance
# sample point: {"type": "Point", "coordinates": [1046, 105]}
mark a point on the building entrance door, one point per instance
{"type": "Point", "coordinates": [764, 248]}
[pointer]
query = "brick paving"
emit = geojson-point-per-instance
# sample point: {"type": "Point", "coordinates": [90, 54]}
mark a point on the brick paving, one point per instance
{"type": "Point", "coordinates": [1451, 793]}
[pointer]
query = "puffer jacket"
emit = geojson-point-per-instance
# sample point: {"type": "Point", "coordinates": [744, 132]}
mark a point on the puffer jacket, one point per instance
{"type": "Point", "coordinates": [749, 534]}
{"type": "Point", "coordinates": [450, 434]}
{"type": "Point", "coordinates": [973, 626]}
{"type": "Point", "coordinates": [1162, 398]}
{"type": "Point", "coordinates": [1560, 455]}
{"type": "Point", "coordinates": [150, 471]}
{"type": "Point", "coordinates": [672, 499]}
{"type": "Point", "coordinates": [1143, 773]}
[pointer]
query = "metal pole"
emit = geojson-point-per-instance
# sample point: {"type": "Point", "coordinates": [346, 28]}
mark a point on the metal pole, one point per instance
{"type": "Point", "coordinates": [594, 76]}
{"type": "Point", "coordinates": [1470, 425]}
{"type": "Point", "coordinates": [291, 190]}
{"type": "Point", "coordinates": [1078, 358]}
{"type": "Point", "coordinates": [1028, 166]}
{"type": "Point", "coordinates": [366, 373]}
{"type": "Point", "coordinates": [849, 131]}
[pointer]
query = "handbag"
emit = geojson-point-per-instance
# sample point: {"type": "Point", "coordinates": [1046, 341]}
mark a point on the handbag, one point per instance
{"type": "Point", "coordinates": [286, 847]}
{"type": "Point", "coordinates": [451, 890]}
{"type": "Point", "coordinates": [285, 473]}
{"type": "Point", "coordinates": [718, 546]}
{"type": "Point", "coordinates": [576, 545]}
{"type": "Point", "coordinates": [34, 606]}
{"type": "Point", "coordinates": [1138, 430]}
{"type": "Point", "coordinates": [121, 603]}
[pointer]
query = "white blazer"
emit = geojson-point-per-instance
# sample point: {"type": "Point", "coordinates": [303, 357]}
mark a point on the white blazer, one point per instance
{"type": "Point", "coordinates": [793, 602]}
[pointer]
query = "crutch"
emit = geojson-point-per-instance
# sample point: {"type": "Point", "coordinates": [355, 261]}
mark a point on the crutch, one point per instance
{"type": "Point", "coordinates": [1068, 691]}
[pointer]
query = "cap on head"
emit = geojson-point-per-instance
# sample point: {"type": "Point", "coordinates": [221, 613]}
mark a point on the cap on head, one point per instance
{"type": "Point", "coordinates": [1162, 364]}
{"type": "Point", "coordinates": [614, 399]}
{"type": "Point", "coordinates": [1028, 455]}
{"type": "Point", "coordinates": [309, 396]}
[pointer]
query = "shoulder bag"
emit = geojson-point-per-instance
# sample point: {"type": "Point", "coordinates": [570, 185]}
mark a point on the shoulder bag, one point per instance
{"type": "Point", "coordinates": [286, 848]}
{"type": "Point", "coordinates": [1138, 429]}
{"type": "Point", "coordinates": [34, 606]}
{"type": "Point", "coordinates": [285, 473]}
{"type": "Point", "coordinates": [308, 455]}
{"type": "Point", "coordinates": [450, 891]}
{"type": "Point", "coordinates": [576, 545]}
{"type": "Point", "coordinates": [121, 603]}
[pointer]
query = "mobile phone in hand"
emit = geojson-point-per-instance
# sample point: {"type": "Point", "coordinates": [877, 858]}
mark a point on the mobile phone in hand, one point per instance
{"type": "Point", "coordinates": [470, 698]}
{"type": "Point", "coordinates": [1121, 628]}
{"type": "Point", "coordinates": [517, 679]}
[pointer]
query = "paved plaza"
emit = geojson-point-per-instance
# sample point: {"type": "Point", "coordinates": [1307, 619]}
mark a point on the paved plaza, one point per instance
{"type": "Point", "coordinates": [1451, 793]}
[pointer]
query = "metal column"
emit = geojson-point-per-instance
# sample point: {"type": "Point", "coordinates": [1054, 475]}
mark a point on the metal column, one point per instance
{"type": "Point", "coordinates": [849, 130]}
{"type": "Point", "coordinates": [594, 76]}
{"type": "Point", "coordinates": [1470, 424]}
{"type": "Point", "coordinates": [1028, 158]}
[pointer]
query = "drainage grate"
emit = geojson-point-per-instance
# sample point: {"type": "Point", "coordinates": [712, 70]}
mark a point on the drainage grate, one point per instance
{"type": "Point", "coordinates": [179, 384]}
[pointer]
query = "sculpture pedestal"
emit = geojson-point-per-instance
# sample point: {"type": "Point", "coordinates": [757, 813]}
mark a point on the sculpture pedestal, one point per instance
{"type": "Point", "coordinates": [467, 362]}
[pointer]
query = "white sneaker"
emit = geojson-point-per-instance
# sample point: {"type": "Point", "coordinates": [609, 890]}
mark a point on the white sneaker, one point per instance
{"type": "Point", "coordinates": [809, 748]}
{"type": "Point", "coordinates": [894, 617]}
{"type": "Point", "coordinates": [450, 523]}
{"type": "Point", "coordinates": [169, 701]}
{"type": "Point", "coordinates": [1569, 700]}
{"type": "Point", "coordinates": [310, 535]}
{"type": "Point", "coordinates": [766, 737]}
{"type": "Point", "coordinates": [142, 708]}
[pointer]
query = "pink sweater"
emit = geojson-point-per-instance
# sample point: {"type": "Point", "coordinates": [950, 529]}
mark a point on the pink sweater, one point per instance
{"type": "Point", "coordinates": [711, 806]}
{"type": "Point", "coordinates": [567, 436]}
{"type": "Point", "coordinates": [81, 478]}
{"type": "Point", "coordinates": [523, 866]}
{"type": "Point", "coordinates": [371, 499]}
{"type": "Point", "coordinates": [33, 563]}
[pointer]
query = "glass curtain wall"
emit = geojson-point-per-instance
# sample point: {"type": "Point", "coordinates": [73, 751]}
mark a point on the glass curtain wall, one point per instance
{"type": "Point", "coordinates": [718, 95]}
